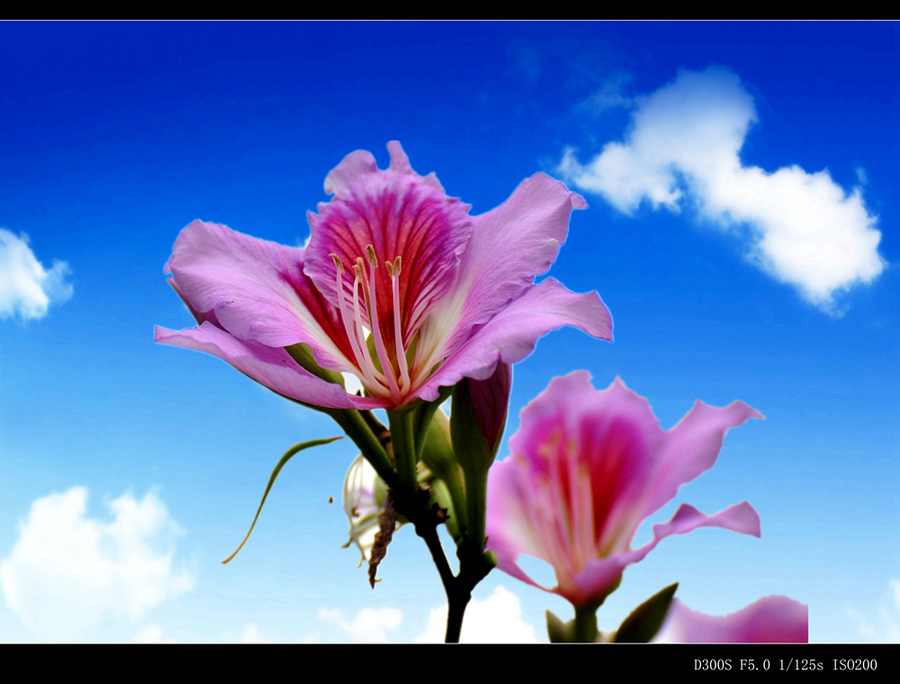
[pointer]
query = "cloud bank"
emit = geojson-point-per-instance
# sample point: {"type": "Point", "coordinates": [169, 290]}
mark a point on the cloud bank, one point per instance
{"type": "Point", "coordinates": [885, 627]}
{"type": "Point", "coordinates": [26, 288]}
{"type": "Point", "coordinates": [496, 619]}
{"type": "Point", "coordinates": [683, 149]}
{"type": "Point", "coordinates": [369, 625]}
{"type": "Point", "coordinates": [66, 571]}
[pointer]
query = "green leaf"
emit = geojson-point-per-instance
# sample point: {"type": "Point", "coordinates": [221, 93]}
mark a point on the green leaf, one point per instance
{"type": "Point", "coordinates": [560, 632]}
{"type": "Point", "coordinates": [645, 620]}
{"type": "Point", "coordinates": [294, 450]}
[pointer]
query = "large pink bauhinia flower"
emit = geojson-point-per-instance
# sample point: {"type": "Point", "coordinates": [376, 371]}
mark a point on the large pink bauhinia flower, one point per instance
{"type": "Point", "coordinates": [770, 620]}
{"type": "Point", "coordinates": [398, 286]}
{"type": "Point", "coordinates": [587, 467]}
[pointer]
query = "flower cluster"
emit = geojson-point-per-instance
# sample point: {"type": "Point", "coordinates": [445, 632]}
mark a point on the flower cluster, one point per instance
{"type": "Point", "coordinates": [402, 288]}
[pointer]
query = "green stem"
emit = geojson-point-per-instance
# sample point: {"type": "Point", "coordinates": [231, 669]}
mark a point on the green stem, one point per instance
{"type": "Point", "coordinates": [586, 623]}
{"type": "Point", "coordinates": [403, 442]}
{"type": "Point", "coordinates": [353, 424]}
{"type": "Point", "coordinates": [476, 507]}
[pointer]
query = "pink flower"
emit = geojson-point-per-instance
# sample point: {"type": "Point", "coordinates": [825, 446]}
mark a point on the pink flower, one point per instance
{"type": "Point", "coordinates": [398, 286]}
{"type": "Point", "coordinates": [773, 619]}
{"type": "Point", "coordinates": [587, 467]}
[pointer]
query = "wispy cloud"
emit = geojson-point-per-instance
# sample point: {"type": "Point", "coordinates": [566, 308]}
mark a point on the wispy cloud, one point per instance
{"type": "Point", "coordinates": [683, 149]}
{"type": "Point", "coordinates": [26, 288]}
{"type": "Point", "coordinates": [885, 627]}
{"type": "Point", "coordinates": [368, 625]}
{"type": "Point", "coordinates": [66, 572]}
{"type": "Point", "coordinates": [496, 619]}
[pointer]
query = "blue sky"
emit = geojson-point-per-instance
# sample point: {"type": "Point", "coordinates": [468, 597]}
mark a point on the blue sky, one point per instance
{"type": "Point", "coordinates": [742, 229]}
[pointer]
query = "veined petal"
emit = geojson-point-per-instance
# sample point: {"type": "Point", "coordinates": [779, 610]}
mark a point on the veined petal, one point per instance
{"type": "Point", "coordinates": [692, 447]}
{"type": "Point", "coordinates": [770, 620]}
{"type": "Point", "coordinates": [269, 366]}
{"type": "Point", "coordinates": [601, 574]}
{"type": "Point", "coordinates": [399, 214]}
{"type": "Point", "coordinates": [586, 466]}
{"type": "Point", "coordinates": [510, 245]}
{"type": "Point", "coordinates": [510, 336]}
{"type": "Point", "coordinates": [257, 290]}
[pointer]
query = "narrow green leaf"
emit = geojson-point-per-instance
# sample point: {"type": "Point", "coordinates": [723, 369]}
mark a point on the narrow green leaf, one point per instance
{"type": "Point", "coordinates": [645, 620]}
{"type": "Point", "coordinates": [297, 448]}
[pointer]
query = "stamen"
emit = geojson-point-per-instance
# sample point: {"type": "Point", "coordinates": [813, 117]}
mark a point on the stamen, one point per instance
{"type": "Point", "coordinates": [352, 336]}
{"type": "Point", "coordinates": [376, 332]}
{"type": "Point", "coordinates": [359, 327]}
{"type": "Point", "coordinates": [394, 272]}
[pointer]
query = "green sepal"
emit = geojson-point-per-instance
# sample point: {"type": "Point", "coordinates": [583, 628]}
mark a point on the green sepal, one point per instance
{"type": "Point", "coordinates": [303, 355]}
{"type": "Point", "coordinates": [560, 632]}
{"type": "Point", "coordinates": [297, 448]}
{"type": "Point", "coordinates": [645, 620]}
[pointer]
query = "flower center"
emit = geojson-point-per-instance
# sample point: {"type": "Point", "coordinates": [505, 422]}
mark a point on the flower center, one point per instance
{"type": "Point", "coordinates": [390, 377]}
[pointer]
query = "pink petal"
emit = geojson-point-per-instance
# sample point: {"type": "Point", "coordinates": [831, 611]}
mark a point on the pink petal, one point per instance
{"type": "Point", "coordinates": [599, 575]}
{"type": "Point", "coordinates": [510, 245]}
{"type": "Point", "coordinates": [692, 446]}
{"type": "Point", "coordinates": [400, 214]}
{"type": "Point", "coordinates": [511, 335]}
{"type": "Point", "coordinates": [257, 290]}
{"type": "Point", "coordinates": [773, 619]}
{"type": "Point", "coordinates": [269, 366]}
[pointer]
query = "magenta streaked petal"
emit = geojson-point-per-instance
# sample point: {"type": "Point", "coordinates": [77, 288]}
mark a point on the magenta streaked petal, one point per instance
{"type": "Point", "coordinates": [269, 366]}
{"type": "Point", "coordinates": [692, 446]}
{"type": "Point", "coordinates": [257, 290]}
{"type": "Point", "coordinates": [770, 620]}
{"type": "Point", "coordinates": [586, 466]}
{"type": "Point", "coordinates": [600, 575]}
{"type": "Point", "coordinates": [510, 245]}
{"type": "Point", "coordinates": [510, 336]}
{"type": "Point", "coordinates": [400, 214]}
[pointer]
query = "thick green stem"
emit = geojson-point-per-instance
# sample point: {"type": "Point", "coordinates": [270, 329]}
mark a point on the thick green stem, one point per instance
{"type": "Point", "coordinates": [403, 441]}
{"type": "Point", "coordinates": [586, 624]}
{"type": "Point", "coordinates": [476, 507]}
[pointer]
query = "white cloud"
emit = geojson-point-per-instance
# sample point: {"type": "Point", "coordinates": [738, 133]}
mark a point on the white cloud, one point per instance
{"type": "Point", "coordinates": [683, 149]}
{"type": "Point", "coordinates": [66, 571]}
{"type": "Point", "coordinates": [151, 634]}
{"type": "Point", "coordinates": [26, 287]}
{"type": "Point", "coordinates": [369, 625]}
{"type": "Point", "coordinates": [886, 626]}
{"type": "Point", "coordinates": [496, 619]}
{"type": "Point", "coordinates": [251, 635]}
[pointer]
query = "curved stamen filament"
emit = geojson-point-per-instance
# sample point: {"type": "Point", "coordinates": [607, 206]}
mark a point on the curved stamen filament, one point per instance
{"type": "Point", "coordinates": [394, 271]}
{"type": "Point", "coordinates": [394, 377]}
{"type": "Point", "coordinates": [351, 334]}
{"type": "Point", "coordinates": [376, 330]}
{"type": "Point", "coordinates": [359, 271]}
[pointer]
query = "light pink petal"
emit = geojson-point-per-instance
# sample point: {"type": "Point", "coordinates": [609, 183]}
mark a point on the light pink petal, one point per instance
{"type": "Point", "coordinates": [692, 446]}
{"type": "Point", "coordinates": [401, 215]}
{"type": "Point", "coordinates": [257, 290]}
{"type": "Point", "coordinates": [510, 245]}
{"type": "Point", "coordinates": [510, 501]}
{"type": "Point", "coordinates": [269, 366]}
{"type": "Point", "coordinates": [599, 575]}
{"type": "Point", "coordinates": [770, 620]}
{"type": "Point", "coordinates": [510, 336]}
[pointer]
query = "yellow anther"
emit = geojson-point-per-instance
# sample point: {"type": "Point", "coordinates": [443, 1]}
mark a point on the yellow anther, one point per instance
{"type": "Point", "coordinates": [337, 262]}
{"type": "Point", "coordinates": [370, 251]}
